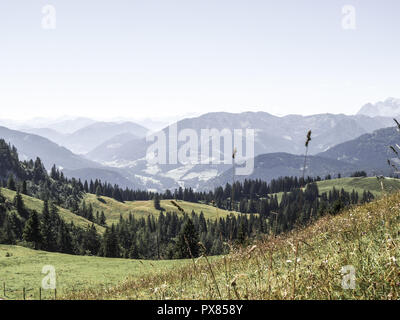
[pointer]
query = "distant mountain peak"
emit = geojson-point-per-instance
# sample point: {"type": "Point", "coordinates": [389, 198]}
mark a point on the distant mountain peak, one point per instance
{"type": "Point", "coordinates": [388, 108]}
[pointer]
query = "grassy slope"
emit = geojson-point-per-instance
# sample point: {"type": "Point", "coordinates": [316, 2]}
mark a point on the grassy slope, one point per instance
{"type": "Point", "coordinates": [23, 269]}
{"type": "Point", "coordinates": [36, 204]}
{"type": "Point", "coordinates": [305, 264]}
{"type": "Point", "coordinates": [358, 184]}
{"type": "Point", "coordinates": [112, 208]}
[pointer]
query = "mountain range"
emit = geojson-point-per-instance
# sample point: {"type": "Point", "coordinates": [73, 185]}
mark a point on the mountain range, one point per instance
{"type": "Point", "coordinates": [116, 151]}
{"type": "Point", "coordinates": [387, 108]}
{"type": "Point", "coordinates": [368, 153]}
{"type": "Point", "coordinates": [90, 137]}
{"type": "Point", "coordinates": [272, 134]}
{"type": "Point", "coordinates": [273, 165]}
{"type": "Point", "coordinates": [31, 146]}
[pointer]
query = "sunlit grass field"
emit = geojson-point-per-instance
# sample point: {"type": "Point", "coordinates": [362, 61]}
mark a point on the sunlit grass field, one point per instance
{"type": "Point", "coordinates": [358, 184]}
{"type": "Point", "coordinates": [22, 268]}
{"type": "Point", "coordinates": [113, 209]}
{"type": "Point", "coordinates": [36, 204]}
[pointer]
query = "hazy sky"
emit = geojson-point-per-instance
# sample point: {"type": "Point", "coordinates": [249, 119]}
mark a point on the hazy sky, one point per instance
{"type": "Point", "coordinates": [137, 59]}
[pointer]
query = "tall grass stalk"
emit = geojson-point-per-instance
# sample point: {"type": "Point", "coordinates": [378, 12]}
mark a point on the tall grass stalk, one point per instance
{"type": "Point", "coordinates": [308, 139]}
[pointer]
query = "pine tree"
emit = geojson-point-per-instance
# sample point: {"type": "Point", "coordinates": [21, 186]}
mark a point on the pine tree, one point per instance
{"type": "Point", "coordinates": [187, 245]}
{"type": "Point", "coordinates": [11, 183]}
{"type": "Point", "coordinates": [89, 214]}
{"type": "Point", "coordinates": [110, 246]}
{"type": "Point", "coordinates": [102, 219]}
{"type": "Point", "coordinates": [7, 232]}
{"type": "Point", "coordinates": [32, 230]}
{"type": "Point", "coordinates": [156, 200]}
{"type": "Point", "coordinates": [133, 251]}
{"type": "Point", "coordinates": [64, 239]}
{"type": "Point", "coordinates": [24, 188]}
{"type": "Point", "coordinates": [20, 206]}
{"type": "Point", "coordinates": [98, 191]}
{"type": "Point", "coordinates": [48, 227]}
{"type": "Point", "coordinates": [242, 232]}
{"type": "Point", "coordinates": [91, 241]}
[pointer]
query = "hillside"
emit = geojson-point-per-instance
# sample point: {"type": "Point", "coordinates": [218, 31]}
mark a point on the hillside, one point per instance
{"type": "Point", "coordinates": [303, 264]}
{"type": "Point", "coordinates": [21, 267]}
{"type": "Point", "coordinates": [368, 152]}
{"type": "Point", "coordinates": [113, 209]}
{"type": "Point", "coordinates": [36, 204]}
{"type": "Point", "coordinates": [110, 175]}
{"type": "Point", "coordinates": [88, 138]}
{"type": "Point", "coordinates": [115, 142]}
{"type": "Point", "coordinates": [30, 146]}
{"type": "Point", "coordinates": [360, 184]}
{"type": "Point", "coordinates": [9, 162]}
{"type": "Point", "coordinates": [274, 165]}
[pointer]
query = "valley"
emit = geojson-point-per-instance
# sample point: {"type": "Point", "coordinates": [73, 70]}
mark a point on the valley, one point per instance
{"type": "Point", "coordinates": [118, 233]}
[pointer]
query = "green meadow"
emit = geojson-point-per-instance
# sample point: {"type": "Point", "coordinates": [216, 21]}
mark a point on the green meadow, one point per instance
{"type": "Point", "coordinates": [22, 268]}
{"type": "Point", "coordinates": [36, 204]}
{"type": "Point", "coordinates": [359, 184]}
{"type": "Point", "coordinates": [113, 209]}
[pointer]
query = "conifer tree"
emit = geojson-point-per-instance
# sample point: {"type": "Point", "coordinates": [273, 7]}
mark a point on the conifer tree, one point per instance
{"type": "Point", "coordinates": [20, 206]}
{"type": "Point", "coordinates": [7, 233]}
{"type": "Point", "coordinates": [64, 239]}
{"type": "Point", "coordinates": [32, 230]}
{"type": "Point", "coordinates": [110, 246]}
{"type": "Point", "coordinates": [98, 191]}
{"type": "Point", "coordinates": [187, 245]}
{"type": "Point", "coordinates": [156, 201]}
{"type": "Point", "coordinates": [102, 219]}
{"type": "Point", "coordinates": [24, 188]}
{"type": "Point", "coordinates": [91, 241]}
{"type": "Point", "coordinates": [11, 183]}
{"type": "Point", "coordinates": [133, 251]}
{"type": "Point", "coordinates": [48, 227]}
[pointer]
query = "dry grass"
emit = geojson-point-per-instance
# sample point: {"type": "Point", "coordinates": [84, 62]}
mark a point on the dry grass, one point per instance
{"type": "Point", "coordinates": [304, 264]}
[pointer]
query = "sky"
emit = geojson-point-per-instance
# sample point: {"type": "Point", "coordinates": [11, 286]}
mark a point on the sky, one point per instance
{"type": "Point", "coordinates": [167, 59]}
